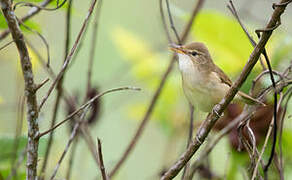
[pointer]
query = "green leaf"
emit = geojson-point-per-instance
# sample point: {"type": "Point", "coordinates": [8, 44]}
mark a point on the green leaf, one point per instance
{"type": "Point", "coordinates": [3, 24]}
{"type": "Point", "coordinates": [7, 145]}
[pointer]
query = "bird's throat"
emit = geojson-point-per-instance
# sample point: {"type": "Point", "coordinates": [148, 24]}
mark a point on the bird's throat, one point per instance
{"type": "Point", "coordinates": [190, 72]}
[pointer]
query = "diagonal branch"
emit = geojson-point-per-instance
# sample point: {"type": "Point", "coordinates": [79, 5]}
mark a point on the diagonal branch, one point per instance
{"type": "Point", "coordinates": [70, 55]}
{"type": "Point", "coordinates": [158, 91]}
{"type": "Point", "coordinates": [88, 103]}
{"type": "Point", "coordinates": [212, 118]}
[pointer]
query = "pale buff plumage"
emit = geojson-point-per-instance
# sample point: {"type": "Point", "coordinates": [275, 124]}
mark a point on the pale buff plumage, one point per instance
{"type": "Point", "coordinates": [204, 83]}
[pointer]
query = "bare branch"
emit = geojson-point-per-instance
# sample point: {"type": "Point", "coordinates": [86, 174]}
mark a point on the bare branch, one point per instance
{"type": "Point", "coordinates": [88, 103]}
{"type": "Point", "coordinates": [190, 137]}
{"type": "Point", "coordinates": [164, 21]}
{"type": "Point", "coordinates": [171, 23]}
{"type": "Point", "coordinates": [33, 11]}
{"type": "Point", "coordinates": [73, 135]}
{"type": "Point", "coordinates": [219, 108]}
{"type": "Point", "coordinates": [155, 97]}
{"type": "Point", "coordinates": [93, 44]}
{"type": "Point", "coordinates": [60, 91]}
{"type": "Point", "coordinates": [37, 6]}
{"type": "Point", "coordinates": [266, 141]}
{"type": "Point", "coordinates": [38, 86]}
{"type": "Point", "coordinates": [70, 55]}
{"type": "Point", "coordinates": [41, 37]}
{"type": "Point", "coordinates": [101, 166]}
{"type": "Point", "coordinates": [31, 101]}
{"type": "Point", "coordinates": [71, 159]}
{"type": "Point", "coordinates": [252, 41]}
{"type": "Point", "coordinates": [5, 45]}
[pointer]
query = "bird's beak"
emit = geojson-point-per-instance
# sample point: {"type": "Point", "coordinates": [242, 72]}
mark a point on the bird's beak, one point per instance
{"type": "Point", "coordinates": [177, 48]}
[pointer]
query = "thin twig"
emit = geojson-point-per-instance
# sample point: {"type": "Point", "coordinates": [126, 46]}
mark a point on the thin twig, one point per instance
{"type": "Point", "coordinates": [73, 135]}
{"type": "Point", "coordinates": [89, 141]}
{"type": "Point", "coordinates": [5, 45]}
{"type": "Point", "coordinates": [93, 44]}
{"type": "Point", "coordinates": [38, 86]}
{"type": "Point", "coordinates": [164, 21]}
{"type": "Point", "coordinates": [59, 92]}
{"type": "Point", "coordinates": [275, 111]}
{"type": "Point", "coordinates": [233, 10]}
{"type": "Point", "coordinates": [171, 23]}
{"type": "Point", "coordinates": [30, 93]}
{"type": "Point", "coordinates": [281, 122]}
{"type": "Point", "coordinates": [37, 6]}
{"type": "Point", "coordinates": [88, 103]}
{"type": "Point", "coordinates": [33, 11]}
{"type": "Point", "coordinates": [190, 137]}
{"type": "Point", "coordinates": [219, 108]}
{"type": "Point", "coordinates": [41, 37]}
{"type": "Point", "coordinates": [70, 55]}
{"type": "Point", "coordinates": [220, 135]}
{"type": "Point", "coordinates": [155, 97]}
{"type": "Point", "coordinates": [71, 159]}
{"type": "Point", "coordinates": [100, 157]}
{"type": "Point", "coordinates": [40, 59]}
{"type": "Point", "coordinates": [266, 141]}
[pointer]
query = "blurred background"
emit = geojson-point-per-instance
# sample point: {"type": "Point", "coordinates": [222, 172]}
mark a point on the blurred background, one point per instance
{"type": "Point", "coordinates": [132, 50]}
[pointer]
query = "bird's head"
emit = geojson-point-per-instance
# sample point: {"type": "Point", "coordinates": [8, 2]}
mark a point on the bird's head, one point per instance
{"type": "Point", "coordinates": [192, 54]}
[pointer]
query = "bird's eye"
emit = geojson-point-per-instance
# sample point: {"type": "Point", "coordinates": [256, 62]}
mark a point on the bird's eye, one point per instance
{"type": "Point", "coordinates": [194, 53]}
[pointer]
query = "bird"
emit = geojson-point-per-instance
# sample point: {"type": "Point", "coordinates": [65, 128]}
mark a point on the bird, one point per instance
{"type": "Point", "coordinates": [204, 83]}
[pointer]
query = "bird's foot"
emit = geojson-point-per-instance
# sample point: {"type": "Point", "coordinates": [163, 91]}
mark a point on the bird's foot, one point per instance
{"type": "Point", "coordinates": [216, 109]}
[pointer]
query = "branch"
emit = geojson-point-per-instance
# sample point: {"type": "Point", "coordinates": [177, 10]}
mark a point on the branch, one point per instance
{"type": "Point", "coordinates": [255, 170]}
{"type": "Point", "coordinates": [222, 133]}
{"type": "Point", "coordinates": [33, 11]}
{"type": "Point", "coordinates": [219, 108]}
{"type": "Point", "coordinates": [100, 158]}
{"type": "Point", "coordinates": [86, 105]}
{"type": "Point", "coordinates": [30, 92]}
{"type": "Point", "coordinates": [191, 129]}
{"type": "Point", "coordinates": [93, 45]}
{"type": "Point", "coordinates": [70, 55]}
{"type": "Point", "coordinates": [155, 97]}
{"type": "Point", "coordinates": [72, 136]}
{"type": "Point", "coordinates": [59, 93]}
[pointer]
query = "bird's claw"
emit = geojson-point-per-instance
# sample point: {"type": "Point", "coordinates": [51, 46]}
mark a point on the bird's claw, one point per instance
{"type": "Point", "coordinates": [216, 109]}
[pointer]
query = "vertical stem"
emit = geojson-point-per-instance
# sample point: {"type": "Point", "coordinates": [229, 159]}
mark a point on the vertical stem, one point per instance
{"type": "Point", "coordinates": [29, 91]}
{"type": "Point", "coordinates": [59, 93]}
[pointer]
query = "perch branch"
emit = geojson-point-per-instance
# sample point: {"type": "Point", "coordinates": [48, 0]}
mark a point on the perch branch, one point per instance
{"type": "Point", "coordinates": [208, 124]}
{"type": "Point", "coordinates": [155, 97]}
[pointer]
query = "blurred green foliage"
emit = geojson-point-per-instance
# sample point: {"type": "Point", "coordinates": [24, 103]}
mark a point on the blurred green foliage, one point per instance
{"type": "Point", "coordinates": [7, 146]}
{"type": "Point", "coordinates": [229, 48]}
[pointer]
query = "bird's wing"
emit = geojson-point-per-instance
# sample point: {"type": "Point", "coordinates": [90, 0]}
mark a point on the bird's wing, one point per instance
{"type": "Point", "coordinates": [225, 79]}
